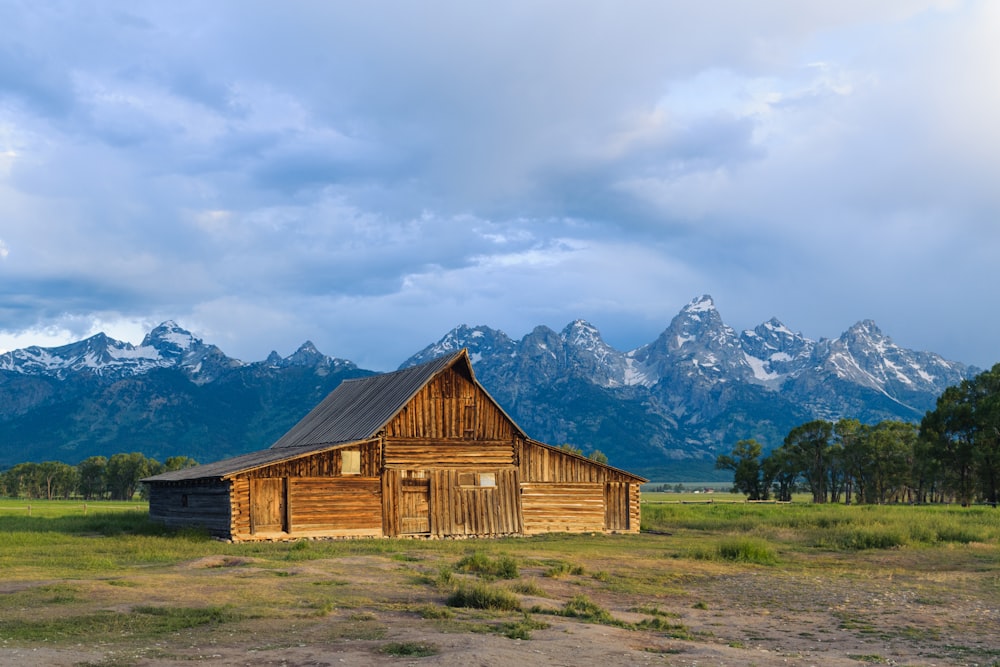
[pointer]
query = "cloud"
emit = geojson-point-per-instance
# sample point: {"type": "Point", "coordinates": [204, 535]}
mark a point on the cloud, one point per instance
{"type": "Point", "coordinates": [328, 171]}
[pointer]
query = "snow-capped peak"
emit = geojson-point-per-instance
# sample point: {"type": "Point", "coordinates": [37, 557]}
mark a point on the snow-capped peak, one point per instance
{"type": "Point", "coordinates": [170, 339]}
{"type": "Point", "coordinates": [700, 304]}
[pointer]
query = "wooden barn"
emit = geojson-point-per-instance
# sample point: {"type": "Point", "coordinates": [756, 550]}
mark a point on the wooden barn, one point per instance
{"type": "Point", "coordinates": [423, 451]}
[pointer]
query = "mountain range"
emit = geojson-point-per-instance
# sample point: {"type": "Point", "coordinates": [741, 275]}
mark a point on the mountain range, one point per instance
{"type": "Point", "coordinates": [665, 409]}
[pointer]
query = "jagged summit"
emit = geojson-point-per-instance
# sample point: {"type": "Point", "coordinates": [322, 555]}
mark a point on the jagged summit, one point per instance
{"type": "Point", "coordinates": [167, 345]}
{"type": "Point", "coordinates": [684, 397]}
{"type": "Point", "coordinates": [170, 339]}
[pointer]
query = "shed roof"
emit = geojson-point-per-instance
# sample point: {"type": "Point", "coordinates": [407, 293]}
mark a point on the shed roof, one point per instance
{"type": "Point", "coordinates": [237, 464]}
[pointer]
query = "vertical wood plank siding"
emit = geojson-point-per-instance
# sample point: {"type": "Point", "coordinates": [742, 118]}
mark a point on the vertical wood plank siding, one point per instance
{"type": "Point", "coordinates": [450, 407]}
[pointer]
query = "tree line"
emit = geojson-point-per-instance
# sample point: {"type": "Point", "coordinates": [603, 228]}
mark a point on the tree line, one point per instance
{"type": "Point", "coordinates": [953, 455]}
{"type": "Point", "coordinates": [95, 478]}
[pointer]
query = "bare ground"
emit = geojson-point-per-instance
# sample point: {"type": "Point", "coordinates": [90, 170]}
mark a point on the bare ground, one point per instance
{"type": "Point", "coordinates": [891, 609]}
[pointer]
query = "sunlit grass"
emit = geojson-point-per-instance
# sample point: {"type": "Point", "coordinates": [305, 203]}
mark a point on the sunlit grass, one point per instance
{"type": "Point", "coordinates": [125, 579]}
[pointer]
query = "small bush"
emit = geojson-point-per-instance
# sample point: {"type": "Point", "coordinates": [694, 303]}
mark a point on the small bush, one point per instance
{"type": "Point", "coordinates": [868, 537]}
{"type": "Point", "coordinates": [562, 568]}
{"type": "Point", "coordinates": [747, 551]}
{"type": "Point", "coordinates": [527, 588]}
{"type": "Point", "coordinates": [521, 629]}
{"type": "Point", "coordinates": [660, 624]}
{"type": "Point", "coordinates": [581, 607]}
{"type": "Point", "coordinates": [430, 611]}
{"type": "Point", "coordinates": [409, 649]}
{"type": "Point", "coordinates": [483, 596]}
{"type": "Point", "coordinates": [503, 567]}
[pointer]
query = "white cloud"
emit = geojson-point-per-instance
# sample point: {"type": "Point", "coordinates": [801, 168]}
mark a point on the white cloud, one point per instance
{"type": "Point", "coordinates": [311, 170]}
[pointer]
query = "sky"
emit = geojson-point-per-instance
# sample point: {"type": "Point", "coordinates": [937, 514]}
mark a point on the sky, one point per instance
{"type": "Point", "coordinates": [369, 175]}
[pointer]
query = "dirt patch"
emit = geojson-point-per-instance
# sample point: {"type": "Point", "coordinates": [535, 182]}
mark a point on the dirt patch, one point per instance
{"type": "Point", "coordinates": [345, 611]}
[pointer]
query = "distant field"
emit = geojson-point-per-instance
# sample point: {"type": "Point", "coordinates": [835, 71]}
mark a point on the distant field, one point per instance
{"type": "Point", "coordinates": [59, 508]}
{"type": "Point", "coordinates": [724, 582]}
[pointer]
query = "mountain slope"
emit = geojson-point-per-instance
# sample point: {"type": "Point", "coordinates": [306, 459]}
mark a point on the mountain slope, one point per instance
{"type": "Point", "coordinates": [664, 409]}
{"type": "Point", "coordinates": [669, 407]}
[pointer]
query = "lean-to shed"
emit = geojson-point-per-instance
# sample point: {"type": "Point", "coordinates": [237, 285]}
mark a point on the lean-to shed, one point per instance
{"type": "Point", "coordinates": [423, 451]}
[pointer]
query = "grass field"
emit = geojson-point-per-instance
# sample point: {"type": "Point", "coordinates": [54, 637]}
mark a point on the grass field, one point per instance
{"type": "Point", "coordinates": [706, 583]}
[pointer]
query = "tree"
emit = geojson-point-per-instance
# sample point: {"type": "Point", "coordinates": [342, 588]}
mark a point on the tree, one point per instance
{"type": "Point", "coordinates": [598, 456]}
{"type": "Point", "coordinates": [809, 447]}
{"type": "Point", "coordinates": [178, 463]}
{"type": "Point", "coordinates": [55, 479]}
{"type": "Point", "coordinates": [891, 449]}
{"type": "Point", "coordinates": [848, 433]}
{"type": "Point", "coordinates": [748, 472]}
{"type": "Point", "coordinates": [124, 472]}
{"type": "Point", "coordinates": [782, 469]}
{"type": "Point", "coordinates": [963, 434]}
{"type": "Point", "coordinates": [92, 477]}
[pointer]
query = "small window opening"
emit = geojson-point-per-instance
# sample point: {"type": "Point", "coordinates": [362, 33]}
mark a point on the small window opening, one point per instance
{"type": "Point", "coordinates": [487, 479]}
{"type": "Point", "coordinates": [184, 500]}
{"type": "Point", "coordinates": [350, 462]}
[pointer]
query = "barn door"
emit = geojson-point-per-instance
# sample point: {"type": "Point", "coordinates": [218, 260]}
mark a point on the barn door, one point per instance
{"type": "Point", "coordinates": [267, 505]}
{"type": "Point", "coordinates": [414, 504]}
{"type": "Point", "coordinates": [616, 507]}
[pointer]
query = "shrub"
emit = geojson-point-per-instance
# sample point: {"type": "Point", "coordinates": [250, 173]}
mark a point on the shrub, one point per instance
{"type": "Point", "coordinates": [582, 607]}
{"type": "Point", "coordinates": [747, 551]}
{"type": "Point", "coordinates": [483, 596]}
{"type": "Point", "coordinates": [409, 649]}
{"type": "Point", "coordinates": [561, 568]}
{"type": "Point", "coordinates": [503, 567]}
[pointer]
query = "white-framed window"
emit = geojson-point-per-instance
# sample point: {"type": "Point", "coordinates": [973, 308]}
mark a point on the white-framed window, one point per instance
{"type": "Point", "coordinates": [350, 462]}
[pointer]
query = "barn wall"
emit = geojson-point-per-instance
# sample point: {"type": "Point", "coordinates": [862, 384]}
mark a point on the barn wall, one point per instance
{"type": "Point", "coordinates": [309, 496]}
{"type": "Point", "coordinates": [567, 507]}
{"type": "Point", "coordinates": [191, 504]}
{"type": "Point", "coordinates": [451, 502]}
{"type": "Point", "coordinates": [542, 463]}
{"type": "Point", "coordinates": [425, 453]}
{"type": "Point", "coordinates": [450, 407]}
{"type": "Point", "coordinates": [565, 492]}
{"type": "Point", "coordinates": [335, 506]}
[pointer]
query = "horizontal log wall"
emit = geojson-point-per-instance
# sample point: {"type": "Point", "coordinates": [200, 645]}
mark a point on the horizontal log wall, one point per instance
{"type": "Point", "coordinates": [335, 506]}
{"type": "Point", "coordinates": [573, 508]}
{"type": "Point", "coordinates": [422, 453]}
{"type": "Point", "coordinates": [204, 505]}
{"type": "Point", "coordinates": [325, 465]}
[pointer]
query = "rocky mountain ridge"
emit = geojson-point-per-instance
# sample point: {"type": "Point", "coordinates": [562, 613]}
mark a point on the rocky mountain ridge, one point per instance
{"type": "Point", "coordinates": [665, 408]}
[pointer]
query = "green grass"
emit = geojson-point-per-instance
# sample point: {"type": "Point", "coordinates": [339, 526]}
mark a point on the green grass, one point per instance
{"type": "Point", "coordinates": [484, 596]}
{"type": "Point", "coordinates": [111, 578]}
{"type": "Point", "coordinates": [501, 567]}
{"type": "Point", "coordinates": [147, 621]}
{"type": "Point", "coordinates": [409, 649]}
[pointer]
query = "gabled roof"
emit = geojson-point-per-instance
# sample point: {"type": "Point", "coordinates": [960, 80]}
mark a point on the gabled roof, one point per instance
{"type": "Point", "coordinates": [356, 410]}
